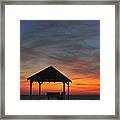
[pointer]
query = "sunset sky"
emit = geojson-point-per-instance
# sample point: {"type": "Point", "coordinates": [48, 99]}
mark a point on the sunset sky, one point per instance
{"type": "Point", "coordinates": [71, 46]}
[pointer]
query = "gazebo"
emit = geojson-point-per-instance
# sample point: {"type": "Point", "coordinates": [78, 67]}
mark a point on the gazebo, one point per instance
{"type": "Point", "coordinates": [50, 74]}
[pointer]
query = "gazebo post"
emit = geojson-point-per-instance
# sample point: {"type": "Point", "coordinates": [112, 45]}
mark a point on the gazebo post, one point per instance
{"type": "Point", "coordinates": [40, 88]}
{"type": "Point", "coordinates": [64, 89]}
{"type": "Point", "coordinates": [30, 88]}
{"type": "Point", "coordinates": [68, 90]}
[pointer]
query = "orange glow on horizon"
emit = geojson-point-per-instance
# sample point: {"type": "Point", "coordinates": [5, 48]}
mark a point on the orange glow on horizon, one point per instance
{"type": "Point", "coordinates": [80, 85]}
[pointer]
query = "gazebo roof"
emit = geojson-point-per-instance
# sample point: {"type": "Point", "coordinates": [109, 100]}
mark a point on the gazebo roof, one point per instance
{"type": "Point", "coordinates": [49, 74]}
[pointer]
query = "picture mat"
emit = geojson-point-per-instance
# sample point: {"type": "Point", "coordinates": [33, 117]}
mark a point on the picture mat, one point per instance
{"type": "Point", "coordinates": [104, 13]}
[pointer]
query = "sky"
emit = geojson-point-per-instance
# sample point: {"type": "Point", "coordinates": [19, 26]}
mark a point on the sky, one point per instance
{"type": "Point", "coordinates": [71, 46]}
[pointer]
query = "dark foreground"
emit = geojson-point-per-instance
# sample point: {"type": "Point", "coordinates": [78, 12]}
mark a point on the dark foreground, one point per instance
{"type": "Point", "coordinates": [71, 97]}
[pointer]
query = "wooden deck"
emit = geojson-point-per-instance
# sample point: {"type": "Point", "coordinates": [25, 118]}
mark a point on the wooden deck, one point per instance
{"type": "Point", "coordinates": [71, 97]}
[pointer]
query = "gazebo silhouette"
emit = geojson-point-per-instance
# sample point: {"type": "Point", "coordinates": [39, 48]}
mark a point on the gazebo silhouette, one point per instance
{"type": "Point", "coordinates": [50, 74]}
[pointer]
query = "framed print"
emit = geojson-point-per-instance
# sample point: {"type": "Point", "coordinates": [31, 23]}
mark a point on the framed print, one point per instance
{"type": "Point", "coordinates": [59, 59]}
{"type": "Point", "coordinates": [55, 46]}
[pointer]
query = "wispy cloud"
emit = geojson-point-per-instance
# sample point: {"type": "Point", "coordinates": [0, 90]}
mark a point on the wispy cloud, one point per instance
{"type": "Point", "coordinates": [73, 45]}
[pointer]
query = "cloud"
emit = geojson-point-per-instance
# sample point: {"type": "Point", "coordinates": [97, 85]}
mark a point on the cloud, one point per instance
{"type": "Point", "coordinates": [80, 84]}
{"type": "Point", "coordinates": [72, 44]}
{"type": "Point", "coordinates": [22, 77]}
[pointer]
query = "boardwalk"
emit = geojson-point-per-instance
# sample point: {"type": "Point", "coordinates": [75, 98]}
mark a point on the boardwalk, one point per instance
{"type": "Point", "coordinates": [71, 97]}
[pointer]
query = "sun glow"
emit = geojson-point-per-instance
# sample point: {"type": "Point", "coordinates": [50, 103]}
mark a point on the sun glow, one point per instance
{"type": "Point", "coordinates": [83, 85]}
